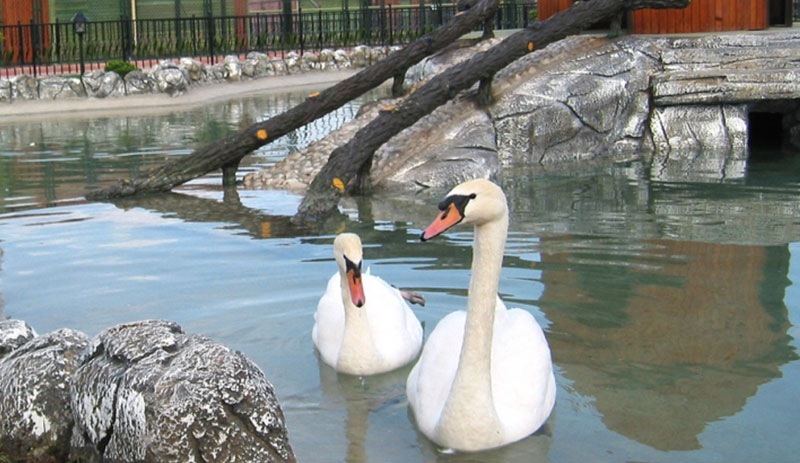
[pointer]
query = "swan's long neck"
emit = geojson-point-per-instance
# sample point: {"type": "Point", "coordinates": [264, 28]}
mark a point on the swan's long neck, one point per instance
{"type": "Point", "coordinates": [357, 347]}
{"type": "Point", "coordinates": [471, 394]}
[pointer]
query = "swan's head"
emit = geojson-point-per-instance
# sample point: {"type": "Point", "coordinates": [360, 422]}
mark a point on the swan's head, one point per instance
{"type": "Point", "coordinates": [348, 254]}
{"type": "Point", "coordinates": [474, 202]}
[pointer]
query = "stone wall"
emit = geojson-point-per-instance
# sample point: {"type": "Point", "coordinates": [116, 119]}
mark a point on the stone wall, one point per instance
{"type": "Point", "coordinates": [176, 78]}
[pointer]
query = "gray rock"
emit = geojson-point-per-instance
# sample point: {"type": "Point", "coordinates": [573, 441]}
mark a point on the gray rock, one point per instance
{"type": "Point", "coordinates": [196, 70]}
{"type": "Point", "coordinates": [138, 83]}
{"type": "Point", "coordinates": [147, 391]}
{"type": "Point", "coordinates": [60, 88]}
{"type": "Point", "coordinates": [170, 79]}
{"type": "Point", "coordinates": [218, 72]}
{"type": "Point", "coordinates": [279, 67]}
{"type": "Point", "coordinates": [24, 87]}
{"type": "Point", "coordinates": [253, 67]}
{"type": "Point", "coordinates": [13, 333]}
{"type": "Point", "coordinates": [5, 90]}
{"type": "Point", "coordinates": [341, 59]}
{"type": "Point", "coordinates": [691, 131]}
{"type": "Point", "coordinates": [101, 84]}
{"type": "Point", "coordinates": [35, 404]}
{"type": "Point", "coordinates": [462, 147]}
{"type": "Point", "coordinates": [439, 62]}
{"type": "Point", "coordinates": [233, 68]}
{"type": "Point", "coordinates": [293, 62]}
{"type": "Point", "coordinates": [573, 107]}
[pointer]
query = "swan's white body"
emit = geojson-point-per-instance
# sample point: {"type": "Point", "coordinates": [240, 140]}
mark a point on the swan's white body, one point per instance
{"type": "Point", "coordinates": [485, 376]}
{"type": "Point", "coordinates": [381, 335]}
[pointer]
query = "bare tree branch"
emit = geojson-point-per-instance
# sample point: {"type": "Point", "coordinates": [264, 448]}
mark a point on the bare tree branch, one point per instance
{"type": "Point", "coordinates": [323, 194]}
{"type": "Point", "coordinates": [227, 153]}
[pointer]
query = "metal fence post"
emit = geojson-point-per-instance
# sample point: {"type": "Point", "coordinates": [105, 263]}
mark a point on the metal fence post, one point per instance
{"type": "Point", "coordinates": [34, 45]}
{"type": "Point", "coordinates": [300, 31]}
{"type": "Point", "coordinates": [125, 28]}
{"type": "Point", "coordinates": [422, 18]}
{"type": "Point", "coordinates": [382, 22]}
{"type": "Point", "coordinates": [286, 21]}
{"type": "Point", "coordinates": [21, 41]}
{"type": "Point", "coordinates": [366, 22]}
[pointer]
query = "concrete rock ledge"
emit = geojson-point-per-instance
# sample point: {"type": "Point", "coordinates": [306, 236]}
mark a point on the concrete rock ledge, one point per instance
{"type": "Point", "coordinates": [142, 391]}
{"type": "Point", "coordinates": [177, 78]}
{"type": "Point", "coordinates": [685, 104]}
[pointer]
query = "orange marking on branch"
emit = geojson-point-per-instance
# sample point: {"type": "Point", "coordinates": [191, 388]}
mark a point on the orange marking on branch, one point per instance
{"type": "Point", "coordinates": [266, 229]}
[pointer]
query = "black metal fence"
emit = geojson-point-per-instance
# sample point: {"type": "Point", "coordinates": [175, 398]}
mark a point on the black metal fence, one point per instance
{"type": "Point", "coordinates": [57, 48]}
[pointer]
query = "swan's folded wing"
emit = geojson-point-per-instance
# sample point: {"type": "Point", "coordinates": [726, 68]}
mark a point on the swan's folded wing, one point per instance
{"type": "Point", "coordinates": [396, 331]}
{"type": "Point", "coordinates": [523, 384]}
{"type": "Point", "coordinates": [328, 327]}
{"type": "Point", "coordinates": [430, 381]}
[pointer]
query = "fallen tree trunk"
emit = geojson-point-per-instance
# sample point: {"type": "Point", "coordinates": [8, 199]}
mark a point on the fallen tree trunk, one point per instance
{"type": "Point", "coordinates": [345, 162]}
{"type": "Point", "coordinates": [227, 153]}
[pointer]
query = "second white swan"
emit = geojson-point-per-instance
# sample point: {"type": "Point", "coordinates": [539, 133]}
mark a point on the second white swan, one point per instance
{"type": "Point", "coordinates": [363, 325]}
{"type": "Point", "coordinates": [485, 376]}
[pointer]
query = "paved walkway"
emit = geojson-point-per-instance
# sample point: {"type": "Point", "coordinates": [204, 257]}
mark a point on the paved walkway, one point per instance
{"type": "Point", "coordinates": [160, 102]}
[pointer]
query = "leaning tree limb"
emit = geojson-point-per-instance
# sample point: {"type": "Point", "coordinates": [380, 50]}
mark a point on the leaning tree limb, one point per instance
{"type": "Point", "coordinates": [344, 163]}
{"type": "Point", "coordinates": [226, 154]}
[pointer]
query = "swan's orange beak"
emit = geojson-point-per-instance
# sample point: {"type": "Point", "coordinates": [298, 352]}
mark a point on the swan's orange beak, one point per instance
{"type": "Point", "coordinates": [356, 285]}
{"type": "Point", "coordinates": [449, 216]}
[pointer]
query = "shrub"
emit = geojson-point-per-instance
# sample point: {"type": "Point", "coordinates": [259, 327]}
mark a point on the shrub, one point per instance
{"type": "Point", "coordinates": [120, 67]}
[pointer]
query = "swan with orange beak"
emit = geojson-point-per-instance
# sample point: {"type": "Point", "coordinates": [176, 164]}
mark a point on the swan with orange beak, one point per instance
{"type": "Point", "coordinates": [363, 325]}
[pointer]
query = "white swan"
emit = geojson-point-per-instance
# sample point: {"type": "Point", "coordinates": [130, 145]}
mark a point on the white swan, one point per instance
{"type": "Point", "coordinates": [362, 325]}
{"type": "Point", "coordinates": [485, 377]}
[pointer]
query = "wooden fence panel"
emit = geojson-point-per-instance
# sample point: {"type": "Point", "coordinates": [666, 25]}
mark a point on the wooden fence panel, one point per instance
{"type": "Point", "coordinates": [703, 16]}
{"type": "Point", "coordinates": [699, 16]}
{"type": "Point", "coordinates": [548, 8]}
{"type": "Point", "coordinates": [21, 12]}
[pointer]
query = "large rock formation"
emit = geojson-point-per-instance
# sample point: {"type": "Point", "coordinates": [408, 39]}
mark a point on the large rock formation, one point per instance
{"type": "Point", "coordinates": [143, 391]}
{"type": "Point", "coordinates": [683, 103]}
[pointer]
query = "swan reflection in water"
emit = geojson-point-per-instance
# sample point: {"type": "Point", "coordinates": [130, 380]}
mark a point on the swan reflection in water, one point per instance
{"type": "Point", "coordinates": [363, 398]}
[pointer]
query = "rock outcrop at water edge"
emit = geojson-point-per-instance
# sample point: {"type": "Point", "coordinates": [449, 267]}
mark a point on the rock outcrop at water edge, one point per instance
{"type": "Point", "coordinates": [37, 419]}
{"type": "Point", "coordinates": [142, 391]}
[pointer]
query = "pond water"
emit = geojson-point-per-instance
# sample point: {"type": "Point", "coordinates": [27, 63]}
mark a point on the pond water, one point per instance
{"type": "Point", "coordinates": [672, 305]}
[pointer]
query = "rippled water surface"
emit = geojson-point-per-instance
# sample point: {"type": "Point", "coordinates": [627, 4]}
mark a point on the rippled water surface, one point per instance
{"type": "Point", "coordinates": [672, 305]}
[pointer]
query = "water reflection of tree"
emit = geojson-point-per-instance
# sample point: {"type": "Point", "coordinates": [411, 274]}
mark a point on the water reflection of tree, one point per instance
{"type": "Point", "coordinates": [685, 340]}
